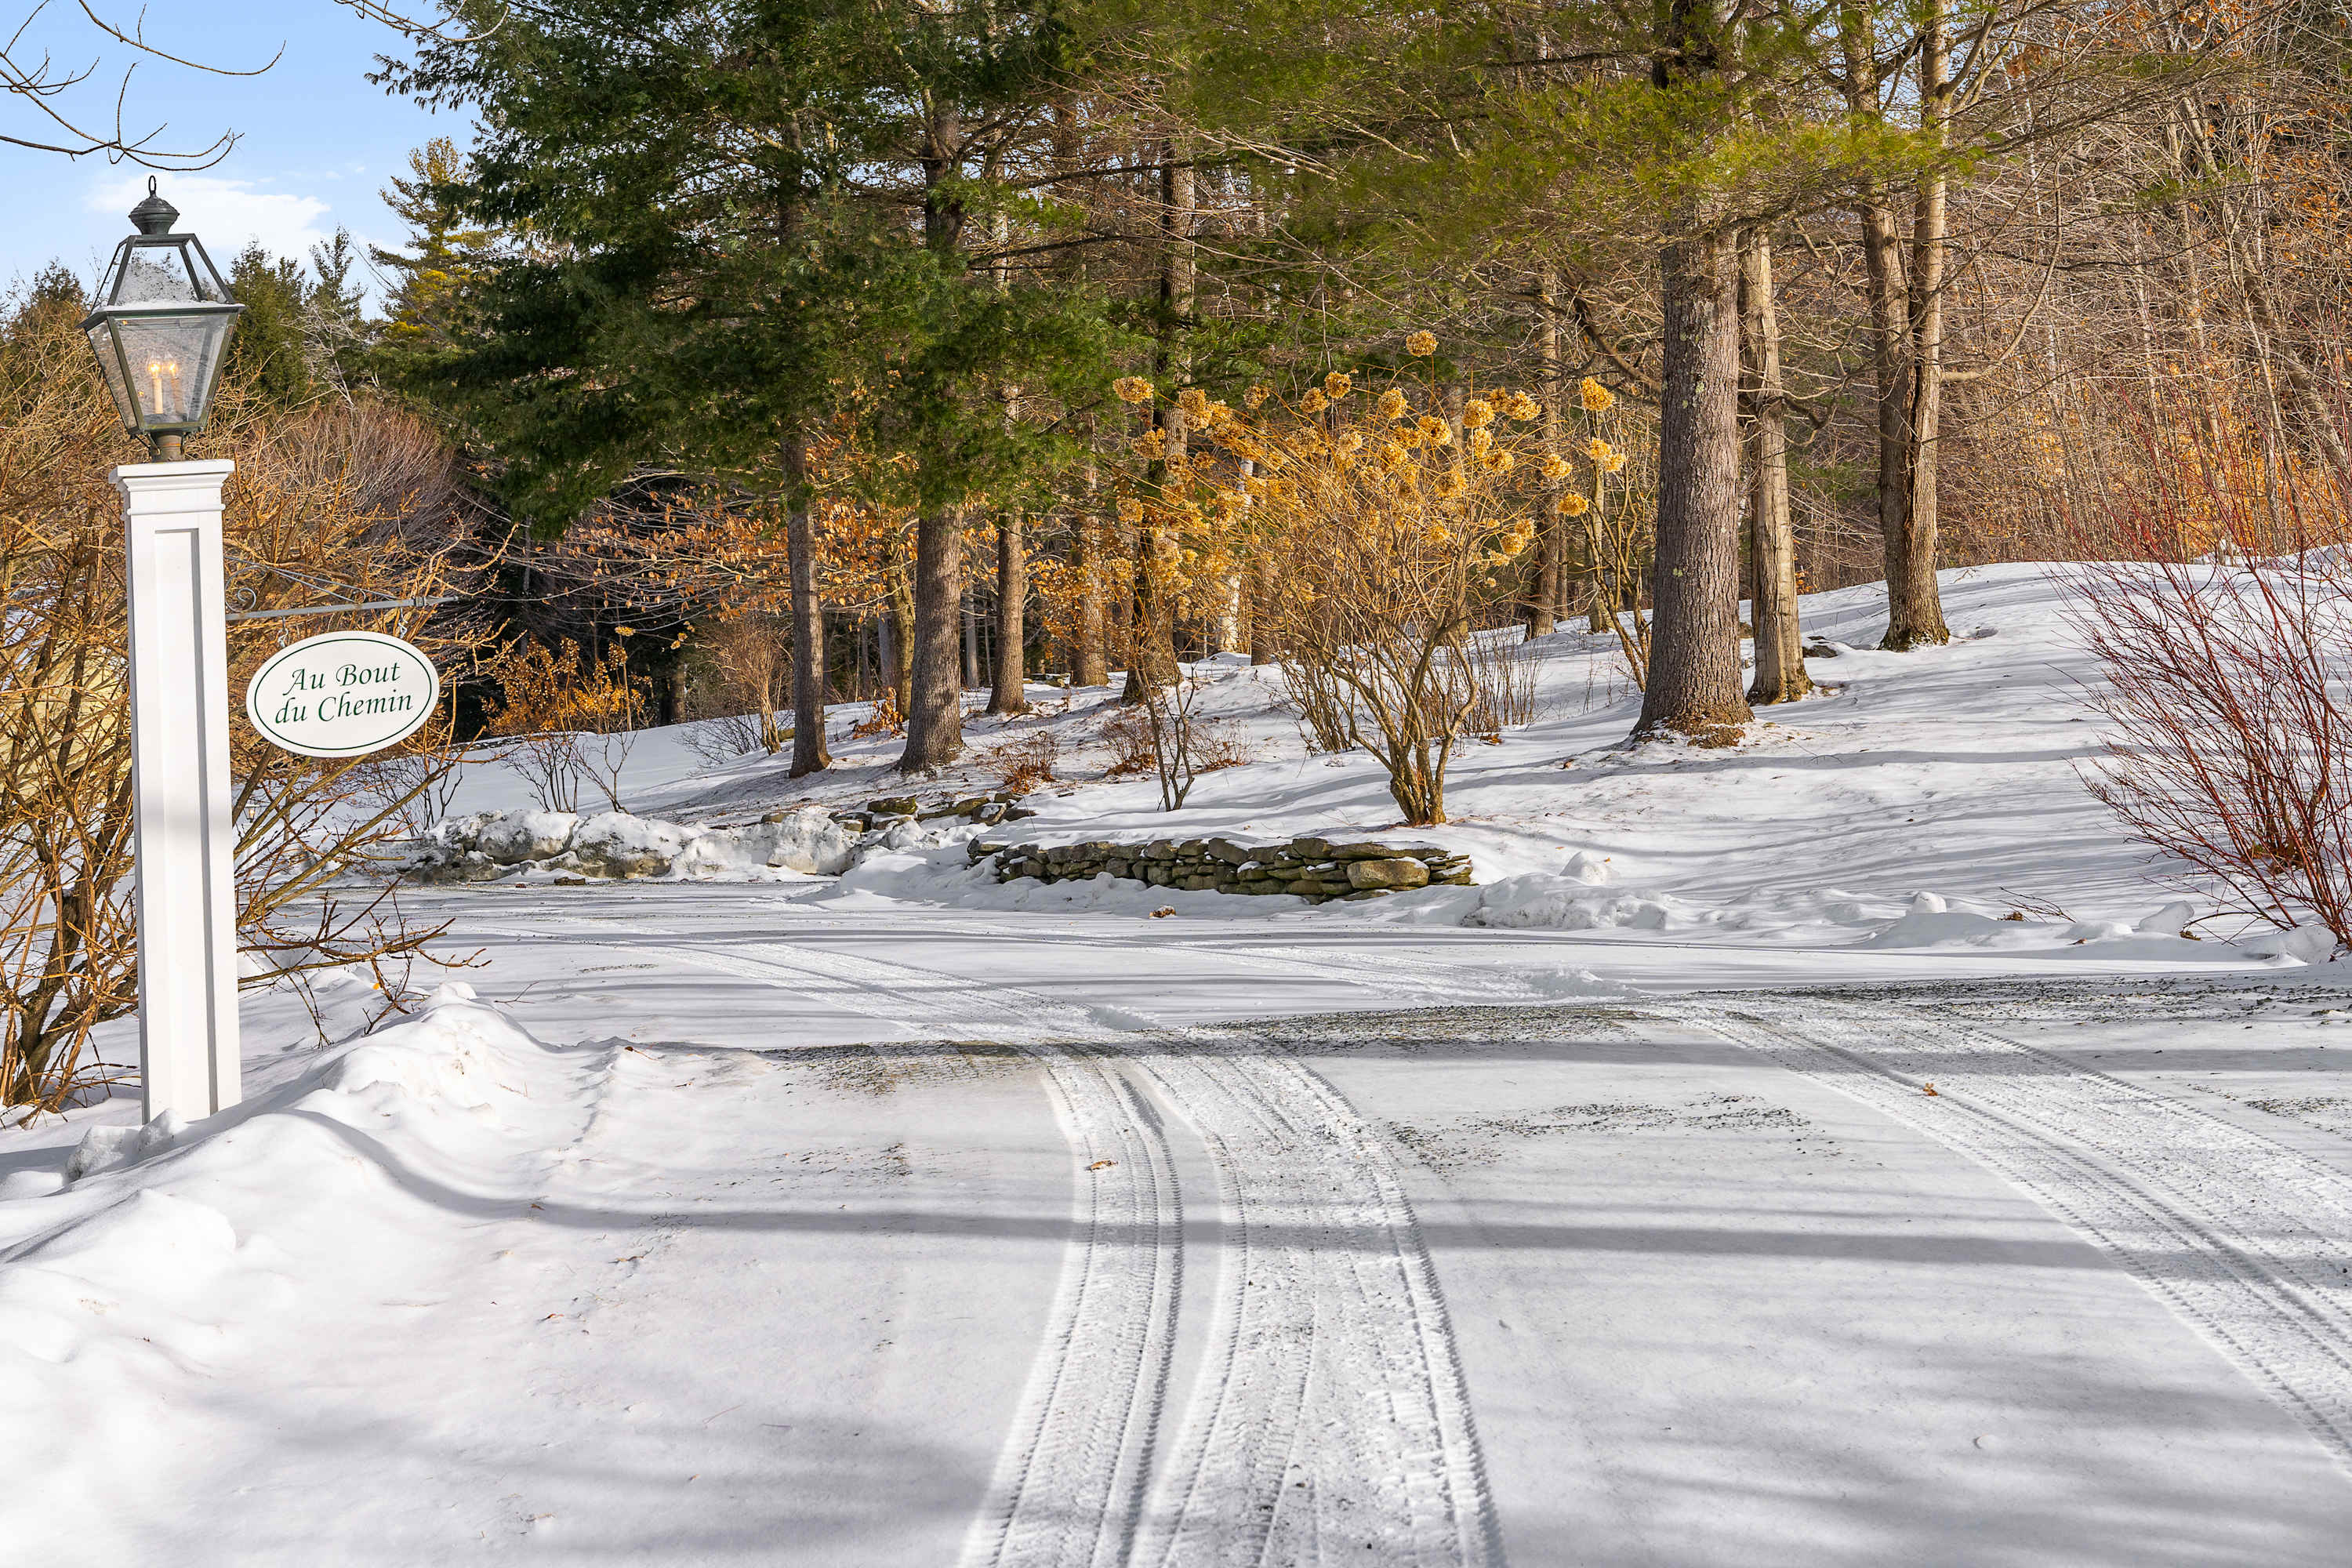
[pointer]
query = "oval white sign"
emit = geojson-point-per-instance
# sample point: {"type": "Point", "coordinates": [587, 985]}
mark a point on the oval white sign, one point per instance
{"type": "Point", "coordinates": [343, 695]}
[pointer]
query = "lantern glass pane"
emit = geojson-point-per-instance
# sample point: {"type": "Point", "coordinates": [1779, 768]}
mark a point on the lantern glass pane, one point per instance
{"type": "Point", "coordinates": [173, 361]}
{"type": "Point", "coordinates": [152, 275]}
{"type": "Point", "coordinates": [170, 270]}
{"type": "Point", "coordinates": [102, 342]}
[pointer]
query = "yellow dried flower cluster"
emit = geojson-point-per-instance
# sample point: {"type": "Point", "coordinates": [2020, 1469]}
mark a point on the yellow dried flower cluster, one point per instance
{"type": "Point", "coordinates": [1521, 407]}
{"type": "Point", "coordinates": [1130, 509]}
{"type": "Point", "coordinates": [1555, 467]}
{"type": "Point", "coordinates": [1253, 399]}
{"type": "Point", "coordinates": [1451, 484]}
{"type": "Point", "coordinates": [1392, 404]}
{"type": "Point", "coordinates": [1193, 400]}
{"type": "Point", "coordinates": [1573, 505]}
{"type": "Point", "coordinates": [1596, 398]}
{"type": "Point", "coordinates": [1313, 403]}
{"type": "Point", "coordinates": [1350, 440]}
{"type": "Point", "coordinates": [1337, 385]}
{"type": "Point", "coordinates": [1434, 431]}
{"type": "Point", "coordinates": [1393, 457]}
{"type": "Point", "coordinates": [1132, 389]}
{"type": "Point", "coordinates": [1477, 413]}
{"type": "Point", "coordinates": [1616, 462]}
{"type": "Point", "coordinates": [1421, 345]}
{"type": "Point", "coordinates": [1598, 450]}
{"type": "Point", "coordinates": [1501, 460]}
{"type": "Point", "coordinates": [1150, 444]}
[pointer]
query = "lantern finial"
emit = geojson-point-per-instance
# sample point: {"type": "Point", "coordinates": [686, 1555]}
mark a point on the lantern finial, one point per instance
{"type": "Point", "coordinates": [154, 215]}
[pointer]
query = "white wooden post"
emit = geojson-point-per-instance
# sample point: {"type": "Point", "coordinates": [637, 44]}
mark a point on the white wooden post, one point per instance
{"type": "Point", "coordinates": [186, 840]}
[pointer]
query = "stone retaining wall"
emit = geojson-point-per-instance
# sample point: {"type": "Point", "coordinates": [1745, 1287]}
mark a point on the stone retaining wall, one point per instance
{"type": "Point", "coordinates": [1316, 869]}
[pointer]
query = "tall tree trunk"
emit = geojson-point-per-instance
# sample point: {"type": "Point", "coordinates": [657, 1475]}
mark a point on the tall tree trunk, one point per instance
{"type": "Point", "coordinates": [1154, 663]}
{"type": "Point", "coordinates": [1545, 594]}
{"type": "Point", "coordinates": [935, 722]}
{"type": "Point", "coordinates": [1883, 276]}
{"type": "Point", "coordinates": [1693, 683]}
{"type": "Point", "coordinates": [1915, 608]}
{"type": "Point", "coordinates": [809, 752]}
{"type": "Point", "coordinates": [1779, 646]}
{"type": "Point", "coordinates": [968, 614]}
{"type": "Point", "coordinates": [1088, 666]}
{"type": "Point", "coordinates": [1008, 684]}
{"type": "Point", "coordinates": [899, 628]}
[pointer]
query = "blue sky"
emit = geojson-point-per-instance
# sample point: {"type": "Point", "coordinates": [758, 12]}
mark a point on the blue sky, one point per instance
{"type": "Point", "coordinates": [316, 142]}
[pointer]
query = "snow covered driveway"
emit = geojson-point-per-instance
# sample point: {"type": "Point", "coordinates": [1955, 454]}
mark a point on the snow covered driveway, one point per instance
{"type": "Point", "coordinates": [899, 1237]}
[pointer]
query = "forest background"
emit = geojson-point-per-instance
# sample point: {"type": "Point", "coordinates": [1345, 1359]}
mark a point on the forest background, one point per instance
{"type": "Point", "coordinates": [1800, 296]}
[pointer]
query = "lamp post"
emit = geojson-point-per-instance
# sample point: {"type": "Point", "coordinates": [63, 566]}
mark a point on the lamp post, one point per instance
{"type": "Point", "coordinates": [159, 328]}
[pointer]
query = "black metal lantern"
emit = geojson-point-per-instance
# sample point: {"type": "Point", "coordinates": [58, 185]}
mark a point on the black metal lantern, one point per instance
{"type": "Point", "coordinates": [161, 328]}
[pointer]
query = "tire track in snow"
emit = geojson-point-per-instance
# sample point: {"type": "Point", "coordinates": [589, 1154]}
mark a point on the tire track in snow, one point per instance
{"type": "Point", "coordinates": [2247, 1239]}
{"type": "Point", "coordinates": [1329, 1423]}
{"type": "Point", "coordinates": [1069, 1489]}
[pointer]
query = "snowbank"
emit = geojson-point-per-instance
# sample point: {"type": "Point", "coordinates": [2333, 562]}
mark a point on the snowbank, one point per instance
{"type": "Point", "coordinates": [162, 1259]}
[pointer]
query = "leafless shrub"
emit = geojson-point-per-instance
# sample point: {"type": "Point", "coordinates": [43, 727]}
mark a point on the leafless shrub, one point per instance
{"type": "Point", "coordinates": [732, 735]}
{"type": "Point", "coordinates": [2225, 684]}
{"type": "Point", "coordinates": [1323, 707]}
{"type": "Point", "coordinates": [297, 531]}
{"type": "Point", "coordinates": [572, 719]}
{"type": "Point", "coordinates": [1501, 673]}
{"type": "Point", "coordinates": [1127, 733]}
{"type": "Point", "coordinates": [418, 782]}
{"type": "Point", "coordinates": [1025, 763]}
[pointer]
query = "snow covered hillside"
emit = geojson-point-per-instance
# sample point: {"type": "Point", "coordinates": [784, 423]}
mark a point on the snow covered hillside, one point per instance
{"type": "Point", "coordinates": [1720, 1180]}
{"type": "Point", "coordinates": [1951, 773]}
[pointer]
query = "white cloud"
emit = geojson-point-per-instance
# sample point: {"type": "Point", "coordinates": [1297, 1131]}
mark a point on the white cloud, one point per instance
{"type": "Point", "coordinates": [224, 213]}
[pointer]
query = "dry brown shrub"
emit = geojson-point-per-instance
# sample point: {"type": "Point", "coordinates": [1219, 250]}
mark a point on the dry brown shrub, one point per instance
{"type": "Point", "coordinates": [885, 719]}
{"type": "Point", "coordinates": [2226, 677]}
{"type": "Point", "coordinates": [333, 504]}
{"type": "Point", "coordinates": [1025, 763]}
{"type": "Point", "coordinates": [569, 719]}
{"type": "Point", "coordinates": [1127, 733]}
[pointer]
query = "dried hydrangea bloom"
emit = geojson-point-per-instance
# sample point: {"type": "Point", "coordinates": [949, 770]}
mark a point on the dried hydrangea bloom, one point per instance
{"type": "Point", "coordinates": [1421, 345]}
{"type": "Point", "coordinates": [1253, 399]}
{"type": "Point", "coordinates": [1392, 404]}
{"type": "Point", "coordinates": [1555, 467]}
{"type": "Point", "coordinates": [1313, 403]}
{"type": "Point", "coordinates": [1193, 400]}
{"type": "Point", "coordinates": [1522, 408]}
{"type": "Point", "coordinates": [1596, 398]}
{"type": "Point", "coordinates": [1597, 449]}
{"type": "Point", "coordinates": [1132, 389]}
{"type": "Point", "coordinates": [1477, 413]}
{"type": "Point", "coordinates": [1435, 431]}
{"type": "Point", "coordinates": [1337, 385]}
{"type": "Point", "coordinates": [1573, 505]}
{"type": "Point", "coordinates": [1130, 509]}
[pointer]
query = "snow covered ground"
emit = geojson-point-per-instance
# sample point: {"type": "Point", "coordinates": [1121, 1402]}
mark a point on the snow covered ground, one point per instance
{"type": "Point", "coordinates": [1600, 1213]}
